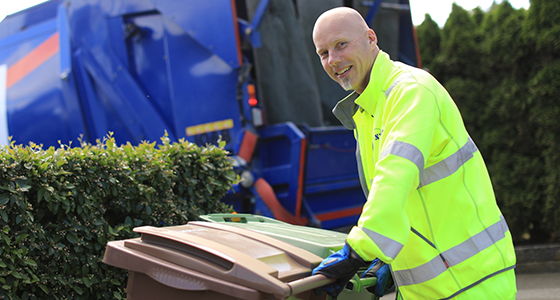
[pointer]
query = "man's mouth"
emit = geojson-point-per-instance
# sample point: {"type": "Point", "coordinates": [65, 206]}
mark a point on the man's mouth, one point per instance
{"type": "Point", "coordinates": [343, 71]}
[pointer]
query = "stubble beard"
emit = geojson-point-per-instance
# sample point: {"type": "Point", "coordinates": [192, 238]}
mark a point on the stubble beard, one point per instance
{"type": "Point", "coordinates": [346, 84]}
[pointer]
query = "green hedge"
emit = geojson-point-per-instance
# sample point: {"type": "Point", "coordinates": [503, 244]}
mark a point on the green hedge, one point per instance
{"type": "Point", "coordinates": [60, 207]}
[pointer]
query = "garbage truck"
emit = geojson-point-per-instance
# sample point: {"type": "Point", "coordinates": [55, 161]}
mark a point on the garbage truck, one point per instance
{"type": "Point", "coordinates": [243, 72]}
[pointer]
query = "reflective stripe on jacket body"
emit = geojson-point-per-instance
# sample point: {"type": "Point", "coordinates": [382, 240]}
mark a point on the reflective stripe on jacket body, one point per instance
{"type": "Point", "coordinates": [431, 211]}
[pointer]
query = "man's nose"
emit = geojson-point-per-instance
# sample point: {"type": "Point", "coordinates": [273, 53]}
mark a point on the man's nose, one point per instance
{"type": "Point", "coordinates": [334, 59]}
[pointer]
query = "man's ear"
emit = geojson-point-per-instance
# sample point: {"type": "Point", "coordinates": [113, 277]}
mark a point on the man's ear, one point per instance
{"type": "Point", "coordinates": [372, 37]}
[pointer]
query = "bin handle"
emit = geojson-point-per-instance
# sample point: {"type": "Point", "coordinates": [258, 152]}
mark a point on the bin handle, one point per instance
{"type": "Point", "coordinates": [309, 283]}
{"type": "Point", "coordinates": [355, 285]}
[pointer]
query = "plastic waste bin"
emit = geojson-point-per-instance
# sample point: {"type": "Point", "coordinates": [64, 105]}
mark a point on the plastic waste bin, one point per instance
{"type": "Point", "coordinates": [318, 241]}
{"type": "Point", "coordinates": [203, 260]}
{"type": "Point", "coordinates": [239, 218]}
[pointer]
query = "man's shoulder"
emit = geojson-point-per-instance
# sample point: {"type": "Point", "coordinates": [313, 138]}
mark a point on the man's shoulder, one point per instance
{"type": "Point", "coordinates": [410, 75]}
{"type": "Point", "coordinates": [418, 74]}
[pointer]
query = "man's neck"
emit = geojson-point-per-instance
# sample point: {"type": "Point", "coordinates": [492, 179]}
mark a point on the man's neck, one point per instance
{"type": "Point", "coordinates": [375, 52]}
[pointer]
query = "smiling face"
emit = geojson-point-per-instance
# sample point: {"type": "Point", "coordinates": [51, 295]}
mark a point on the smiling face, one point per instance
{"type": "Point", "coordinates": [346, 46]}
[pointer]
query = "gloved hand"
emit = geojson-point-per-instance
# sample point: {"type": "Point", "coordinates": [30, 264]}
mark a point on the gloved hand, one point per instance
{"type": "Point", "coordinates": [381, 271]}
{"type": "Point", "coordinates": [341, 265]}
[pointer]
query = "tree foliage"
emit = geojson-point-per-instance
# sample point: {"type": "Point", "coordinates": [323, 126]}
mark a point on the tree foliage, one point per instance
{"type": "Point", "coordinates": [502, 67]}
{"type": "Point", "coordinates": [430, 42]}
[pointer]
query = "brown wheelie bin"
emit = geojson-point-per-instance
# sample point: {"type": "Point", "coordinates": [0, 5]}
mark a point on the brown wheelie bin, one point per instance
{"type": "Point", "coordinates": [203, 260]}
{"type": "Point", "coordinates": [318, 241]}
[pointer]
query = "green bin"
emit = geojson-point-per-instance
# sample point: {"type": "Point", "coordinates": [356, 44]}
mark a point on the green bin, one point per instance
{"type": "Point", "coordinates": [320, 242]}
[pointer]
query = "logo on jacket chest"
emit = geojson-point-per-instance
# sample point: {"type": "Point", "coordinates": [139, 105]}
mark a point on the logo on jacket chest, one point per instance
{"type": "Point", "coordinates": [378, 133]}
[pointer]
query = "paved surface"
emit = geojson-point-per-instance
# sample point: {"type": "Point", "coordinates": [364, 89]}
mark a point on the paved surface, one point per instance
{"type": "Point", "coordinates": [543, 286]}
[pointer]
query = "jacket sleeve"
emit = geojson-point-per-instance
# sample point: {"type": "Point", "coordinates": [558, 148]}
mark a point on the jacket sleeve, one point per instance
{"type": "Point", "coordinates": [409, 121]}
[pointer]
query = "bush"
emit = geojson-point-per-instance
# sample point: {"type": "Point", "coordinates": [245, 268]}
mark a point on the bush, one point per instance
{"type": "Point", "coordinates": [60, 207]}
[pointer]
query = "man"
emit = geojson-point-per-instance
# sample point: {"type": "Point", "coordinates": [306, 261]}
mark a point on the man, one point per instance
{"type": "Point", "coordinates": [430, 214]}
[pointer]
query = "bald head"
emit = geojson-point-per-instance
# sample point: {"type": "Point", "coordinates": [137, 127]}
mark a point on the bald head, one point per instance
{"type": "Point", "coordinates": [342, 18]}
{"type": "Point", "coordinates": [346, 46]}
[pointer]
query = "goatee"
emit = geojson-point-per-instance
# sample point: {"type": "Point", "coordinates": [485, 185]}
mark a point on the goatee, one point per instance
{"type": "Point", "coordinates": [346, 84]}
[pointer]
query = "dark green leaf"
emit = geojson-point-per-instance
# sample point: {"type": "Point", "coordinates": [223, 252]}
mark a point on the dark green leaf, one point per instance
{"type": "Point", "coordinates": [44, 288]}
{"type": "Point", "coordinates": [72, 238]}
{"type": "Point", "coordinates": [21, 237]}
{"type": "Point", "coordinates": [4, 199]}
{"type": "Point", "coordinates": [25, 188]}
{"type": "Point", "coordinates": [30, 262]}
{"type": "Point", "coordinates": [4, 215]}
{"type": "Point", "coordinates": [78, 289]}
{"type": "Point", "coordinates": [87, 282]}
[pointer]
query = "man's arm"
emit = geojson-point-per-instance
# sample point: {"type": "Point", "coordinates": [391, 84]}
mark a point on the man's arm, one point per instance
{"type": "Point", "coordinates": [409, 121]}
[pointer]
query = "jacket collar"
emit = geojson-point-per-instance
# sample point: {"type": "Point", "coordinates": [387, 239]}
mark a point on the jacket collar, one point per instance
{"type": "Point", "coordinates": [347, 107]}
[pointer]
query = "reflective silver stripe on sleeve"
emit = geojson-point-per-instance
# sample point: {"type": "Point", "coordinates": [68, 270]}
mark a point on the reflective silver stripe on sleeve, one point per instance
{"type": "Point", "coordinates": [477, 243]}
{"type": "Point", "coordinates": [453, 256]}
{"type": "Point", "coordinates": [407, 151]}
{"type": "Point", "coordinates": [422, 273]}
{"type": "Point", "coordinates": [449, 165]}
{"type": "Point", "coordinates": [388, 246]}
{"type": "Point", "coordinates": [399, 79]}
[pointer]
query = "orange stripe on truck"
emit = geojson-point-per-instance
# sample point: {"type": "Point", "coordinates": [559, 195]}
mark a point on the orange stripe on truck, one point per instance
{"type": "Point", "coordinates": [32, 60]}
{"type": "Point", "coordinates": [266, 193]}
{"type": "Point", "coordinates": [300, 177]}
{"type": "Point", "coordinates": [339, 214]}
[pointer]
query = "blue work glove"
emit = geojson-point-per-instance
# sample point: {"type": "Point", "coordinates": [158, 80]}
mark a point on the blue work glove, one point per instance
{"type": "Point", "coordinates": [341, 265]}
{"type": "Point", "coordinates": [381, 271]}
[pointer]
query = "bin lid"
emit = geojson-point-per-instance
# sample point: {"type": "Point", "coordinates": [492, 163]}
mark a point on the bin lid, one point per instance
{"type": "Point", "coordinates": [239, 218]}
{"type": "Point", "coordinates": [207, 254]}
{"type": "Point", "coordinates": [321, 242]}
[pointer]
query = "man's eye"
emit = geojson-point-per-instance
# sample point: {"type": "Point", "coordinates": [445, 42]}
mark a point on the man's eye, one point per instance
{"type": "Point", "coordinates": [324, 54]}
{"type": "Point", "coordinates": [342, 44]}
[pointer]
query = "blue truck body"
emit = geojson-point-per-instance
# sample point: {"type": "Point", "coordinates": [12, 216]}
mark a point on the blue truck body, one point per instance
{"type": "Point", "coordinates": [74, 69]}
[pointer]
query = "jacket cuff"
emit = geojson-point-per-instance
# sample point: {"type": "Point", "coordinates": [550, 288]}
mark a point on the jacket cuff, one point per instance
{"type": "Point", "coordinates": [355, 259]}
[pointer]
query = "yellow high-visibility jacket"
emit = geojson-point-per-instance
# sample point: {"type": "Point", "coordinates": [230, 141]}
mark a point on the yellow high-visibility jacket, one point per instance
{"type": "Point", "coordinates": [431, 212]}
